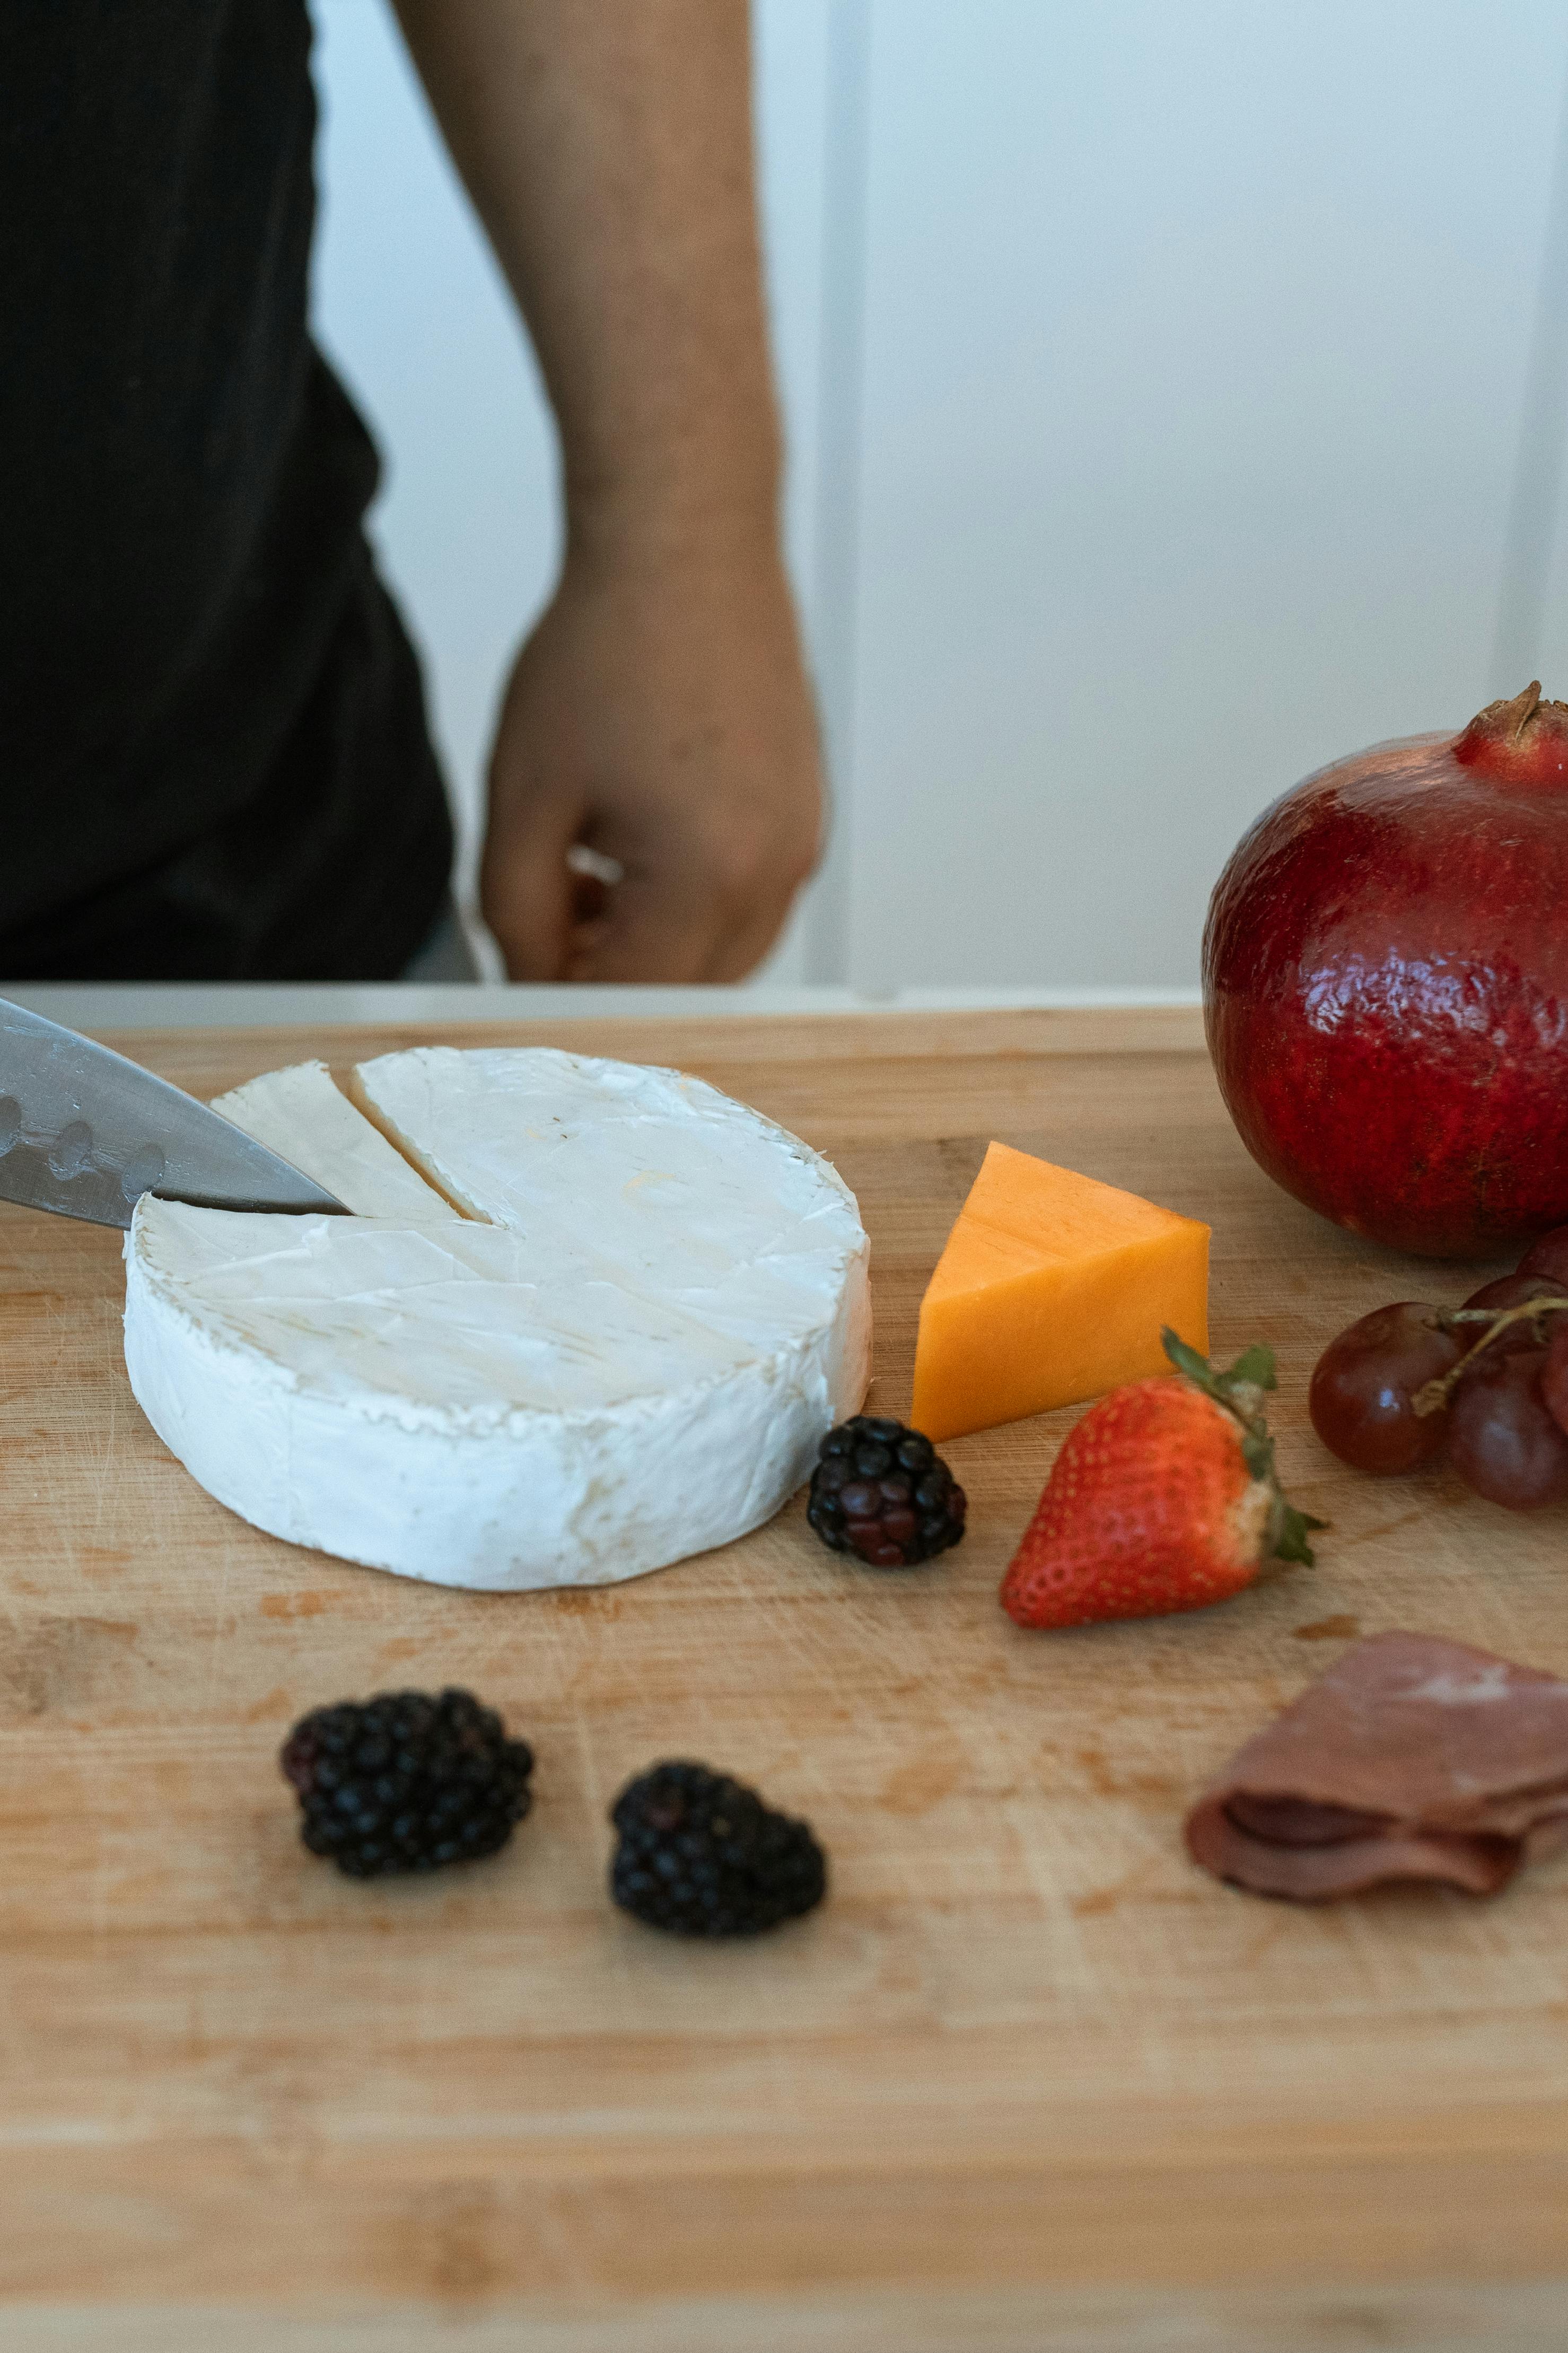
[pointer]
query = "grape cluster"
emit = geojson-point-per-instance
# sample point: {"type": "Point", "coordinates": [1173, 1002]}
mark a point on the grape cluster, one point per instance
{"type": "Point", "coordinates": [1485, 1384]}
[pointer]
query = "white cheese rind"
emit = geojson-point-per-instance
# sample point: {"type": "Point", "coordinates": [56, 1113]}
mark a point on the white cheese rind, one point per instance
{"type": "Point", "coordinates": [301, 1113]}
{"type": "Point", "coordinates": [505, 1407]}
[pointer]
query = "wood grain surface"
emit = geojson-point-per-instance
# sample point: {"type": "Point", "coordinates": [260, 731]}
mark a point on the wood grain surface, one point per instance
{"type": "Point", "coordinates": [1028, 2081]}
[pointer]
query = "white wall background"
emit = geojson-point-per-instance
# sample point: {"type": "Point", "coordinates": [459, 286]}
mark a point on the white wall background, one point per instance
{"type": "Point", "coordinates": [1176, 397]}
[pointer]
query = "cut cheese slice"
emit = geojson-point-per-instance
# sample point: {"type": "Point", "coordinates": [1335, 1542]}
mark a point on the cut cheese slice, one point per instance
{"type": "Point", "coordinates": [301, 1113]}
{"type": "Point", "coordinates": [1052, 1288]}
{"type": "Point", "coordinates": [581, 1392]}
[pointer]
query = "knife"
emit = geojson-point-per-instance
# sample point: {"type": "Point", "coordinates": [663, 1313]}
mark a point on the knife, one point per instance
{"type": "Point", "coordinates": [85, 1133]}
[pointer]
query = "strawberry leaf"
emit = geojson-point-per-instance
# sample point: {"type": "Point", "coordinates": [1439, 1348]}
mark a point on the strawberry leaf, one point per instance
{"type": "Point", "coordinates": [1257, 1454]}
{"type": "Point", "coordinates": [1188, 1360]}
{"type": "Point", "coordinates": [1291, 1535]}
{"type": "Point", "coordinates": [1253, 1370]}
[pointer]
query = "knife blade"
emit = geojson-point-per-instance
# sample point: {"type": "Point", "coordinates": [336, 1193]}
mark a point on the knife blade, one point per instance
{"type": "Point", "coordinates": [84, 1133]}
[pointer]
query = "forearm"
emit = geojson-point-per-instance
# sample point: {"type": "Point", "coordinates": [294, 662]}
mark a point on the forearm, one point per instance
{"type": "Point", "coordinates": [608, 146]}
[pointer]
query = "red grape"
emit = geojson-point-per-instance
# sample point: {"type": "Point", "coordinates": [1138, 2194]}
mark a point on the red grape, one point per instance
{"type": "Point", "coordinates": [1362, 1392]}
{"type": "Point", "coordinates": [1502, 1441]}
{"type": "Point", "coordinates": [1548, 1256]}
{"type": "Point", "coordinates": [1513, 1290]}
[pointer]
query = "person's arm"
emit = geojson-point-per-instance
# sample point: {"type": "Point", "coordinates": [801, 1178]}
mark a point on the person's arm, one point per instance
{"type": "Point", "coordinates": [659, 713]}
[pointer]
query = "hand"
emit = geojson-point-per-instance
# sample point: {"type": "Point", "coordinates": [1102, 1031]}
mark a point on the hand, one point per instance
{"type": "Point", "coordinates": [659, 714]}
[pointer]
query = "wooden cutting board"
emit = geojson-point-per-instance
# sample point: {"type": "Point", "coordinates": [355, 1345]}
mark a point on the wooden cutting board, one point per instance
{"type": "Point", "coordinates": [1027, 2081]}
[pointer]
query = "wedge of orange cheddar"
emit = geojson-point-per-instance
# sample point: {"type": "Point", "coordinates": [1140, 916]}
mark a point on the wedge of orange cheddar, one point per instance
{"type": "Point", "coordinates": [1052, 1288]}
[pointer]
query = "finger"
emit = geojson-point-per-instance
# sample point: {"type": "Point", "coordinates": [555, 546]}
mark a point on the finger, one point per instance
{"type": "Point", "coordinates": [655, 928]}
{"type": "Point", "coordinates": [741, 951]}
{"type": "Point", "coordinates": [527, 893]}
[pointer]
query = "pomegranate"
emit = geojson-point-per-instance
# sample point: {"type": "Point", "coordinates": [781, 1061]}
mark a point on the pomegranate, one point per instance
{"type": "Point", "coordinates": [1385, 982]}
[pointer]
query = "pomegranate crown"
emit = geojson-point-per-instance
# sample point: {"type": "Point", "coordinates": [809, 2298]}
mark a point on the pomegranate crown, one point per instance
{"type": "Point", "coordinates": [1521, 738]}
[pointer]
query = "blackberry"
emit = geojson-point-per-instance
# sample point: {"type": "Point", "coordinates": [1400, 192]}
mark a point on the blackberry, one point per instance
{"type": "Point", "coordinates": [407, 1781]}
{"type": "Point", "coordinates": [700, 1856]}
{"type": "Point", "coordinates": [883, 1492]}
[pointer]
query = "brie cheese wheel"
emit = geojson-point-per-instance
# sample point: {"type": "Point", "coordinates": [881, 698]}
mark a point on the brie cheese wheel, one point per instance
{"type": "Point", "coordinates": [625, 1352]}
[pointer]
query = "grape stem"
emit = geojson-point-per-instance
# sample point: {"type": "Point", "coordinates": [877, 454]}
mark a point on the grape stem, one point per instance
{"type": "Point", "coordinates": [1434, 1394]}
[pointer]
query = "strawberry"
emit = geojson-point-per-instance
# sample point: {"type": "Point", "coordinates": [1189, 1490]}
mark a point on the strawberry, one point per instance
{"type": "Point", "coordinates": [1163, 1498]}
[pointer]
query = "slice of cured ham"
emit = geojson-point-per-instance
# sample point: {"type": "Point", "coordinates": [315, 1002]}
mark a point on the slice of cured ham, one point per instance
{"type": "Point", "coordinates": [1412, 1758]}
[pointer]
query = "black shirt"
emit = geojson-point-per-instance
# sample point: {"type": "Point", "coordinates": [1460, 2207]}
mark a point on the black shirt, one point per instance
{"type": "Point", "coordinates": [214, 761]}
